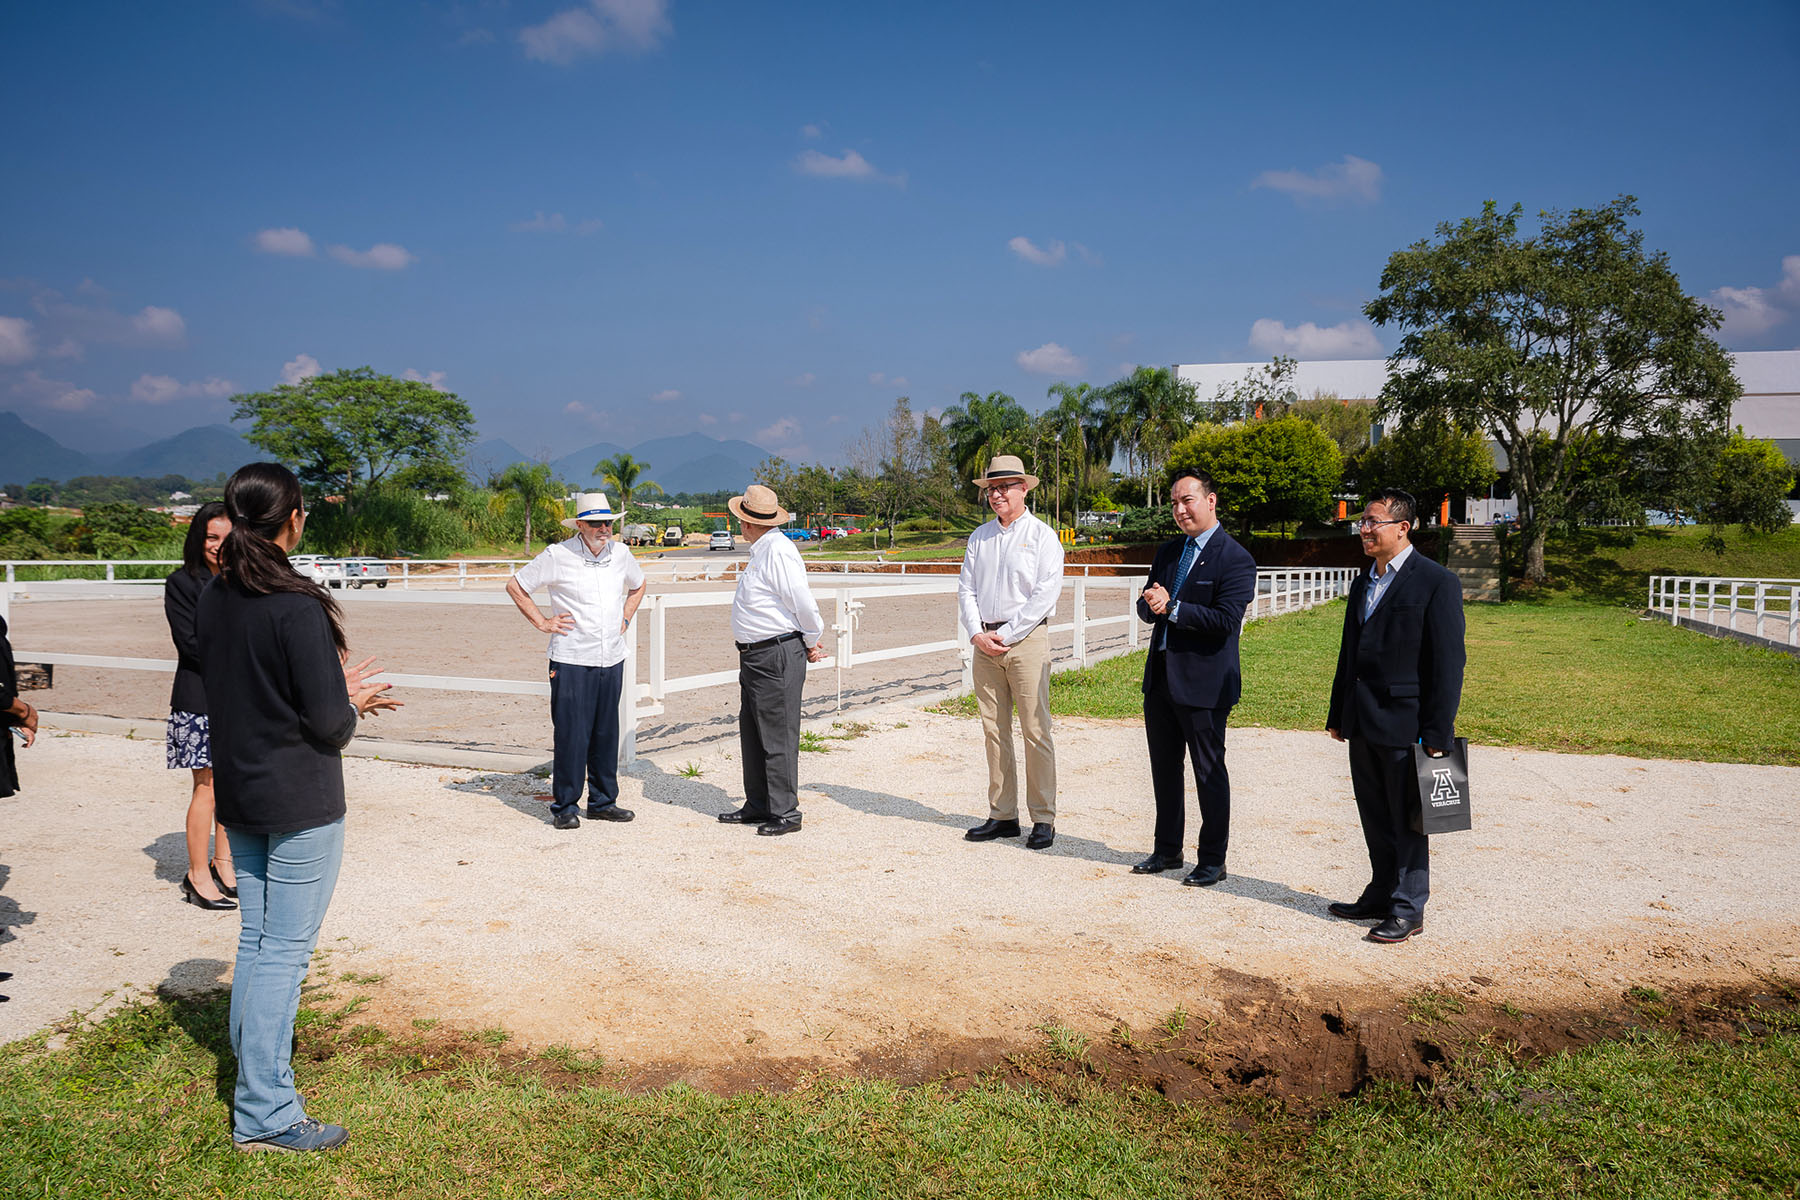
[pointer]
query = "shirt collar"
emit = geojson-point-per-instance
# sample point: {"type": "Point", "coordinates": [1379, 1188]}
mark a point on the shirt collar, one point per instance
{"type": "Point", "coordinates": [1394, 564]}
{"type": "Point", "coordinates": [1200, 539]}
{"type": "Point", "coordinates": [584, 554]}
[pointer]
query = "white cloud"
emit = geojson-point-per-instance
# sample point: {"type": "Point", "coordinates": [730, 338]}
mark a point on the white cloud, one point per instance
{"type": "Point", "coordinates": [666, 396]}
{"type": "Point", "coordinates": [1351, 339]}
{"type": "Point", "coordinates": [849, 165]}
{"type": "Point", "coordinates": [812, 132]}
{"type": "Point", "coordinates": [161, 325]}
{"type": "Point", "coordinates": [432, 379]}
{"type": "Point", "coordinates": [878, 379]}
{"type": "Point", "coordinates": [707, 419]}
{"type": "Point", "coordinates": [475, 37]}
{"type": "Point", "coordinates": [301, 366]}
{"type": "Point", "coordinates": [16, 343]}
{"type": "Point", "coordinates": [1049, 359]}
{"type": "Point", "coordinates": [67, 348]}
{"type": "Point", "coordinates": [55, 394]}
{"type": "Point", "coordinates": [1355, 179]}
{"type": "Point", "coordinates": [1053, 254]}
{"type": "Point", "coordinates": [804, 379]}
{"type": "Point", "coordinates": [1790, 279]}
{"type": "Point", "coordinates": [599, 418]}
{"type": "Point", "coordinates": [288, 241]}
{"type": "Point", "coordinates": [557, 223]}
{"type": "Point", "coordinates": [382, 256]}
{"type": "Point", "coordinates": [781, 432]}
{"type": "Point", "coordinates": [1748, 311]}
{"type": "Point", "coordinates": [162, 389]}
{"type": "Point", "coordinates": [597, 28]}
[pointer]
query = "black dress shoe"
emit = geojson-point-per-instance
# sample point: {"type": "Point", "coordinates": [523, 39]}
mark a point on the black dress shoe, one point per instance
{"type": "Point", "coordinates": [610, 812]}
{"type": "Point", "coordinates": [567, 820]}
{"type": "Point", "coordinates": [1156, 864]}
{"type": "Point", "coordinates": [192, 895]}
{"type": "Point", "coordinates": [990, 829]}
{"type": "Point", "coordinates": [1396, 929]}
{"type": "Point", "coordinates": [1043, 836]}
{"type": "Point", "coordinates": [775, 828]}
{"type": "Point", "coordinates": [1362, 910]}
{"type": "Point", "coordinates": [219, 882]}
{"type": "Point", "coordinates": [742, 816]}
{"type": "Point", "coordinates": [1204, 876]}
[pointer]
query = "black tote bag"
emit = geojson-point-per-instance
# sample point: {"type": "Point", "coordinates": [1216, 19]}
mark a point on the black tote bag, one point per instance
{"type": "Point", "coordinates": [1443, 789]}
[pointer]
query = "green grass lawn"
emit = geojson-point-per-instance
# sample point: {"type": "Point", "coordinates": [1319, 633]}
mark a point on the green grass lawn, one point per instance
{"type": "Point", "coordinates": [1564, 676]}
{"type": "Point", "coordinates": [1614, 566]}
{"type": "Point", "coordinates": [138, 1106]}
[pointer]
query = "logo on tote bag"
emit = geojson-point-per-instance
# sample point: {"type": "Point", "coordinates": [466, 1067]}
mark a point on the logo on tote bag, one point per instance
{"type": "Point", "coordinates": [1444, 790]}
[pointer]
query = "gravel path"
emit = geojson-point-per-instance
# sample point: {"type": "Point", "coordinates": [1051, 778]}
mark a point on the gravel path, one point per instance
{"type": "Point", "coordinates": [675, 938]}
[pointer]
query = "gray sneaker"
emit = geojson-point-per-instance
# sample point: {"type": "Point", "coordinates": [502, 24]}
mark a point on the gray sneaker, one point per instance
{"type": "Point", "coordinates": [301, 1136]}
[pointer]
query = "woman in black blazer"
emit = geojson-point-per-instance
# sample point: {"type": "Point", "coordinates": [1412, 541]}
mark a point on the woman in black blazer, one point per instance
{"type": "Point", "coordinates": [210, 880]}
{"type": "Point", "coordinates": [283, 705]}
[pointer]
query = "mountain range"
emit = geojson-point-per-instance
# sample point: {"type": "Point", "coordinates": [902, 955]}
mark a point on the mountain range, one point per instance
{"type": "Point", "coordinates": [198, 453]}
{"type": "Point", "coordinates": [689, 462]}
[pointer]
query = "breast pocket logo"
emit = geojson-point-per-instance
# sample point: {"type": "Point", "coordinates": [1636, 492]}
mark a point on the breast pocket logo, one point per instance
{"type": "Point", "coordinates": [1444, 790]}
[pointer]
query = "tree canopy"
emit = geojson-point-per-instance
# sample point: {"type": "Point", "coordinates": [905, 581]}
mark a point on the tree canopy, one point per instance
{"type": "Point", "coordinates": [1430, 458]}
{"type": "Point", "coordinates": [1269, 472]}
{"type": "Point", "coordinates": [354, 427]}
{"type": "Point", "coordinates": [624, 474]}
{"type": "Point", "coordinates": [1541, 340]}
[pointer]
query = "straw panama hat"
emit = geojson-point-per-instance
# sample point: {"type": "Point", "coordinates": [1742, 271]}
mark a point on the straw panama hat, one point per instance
{"type": "Point", "coordinates": [758, 506]}
{"type": "Point", "coordinates": [1004, 469]}
{"type": "Point", "coordinates": [591, 506]}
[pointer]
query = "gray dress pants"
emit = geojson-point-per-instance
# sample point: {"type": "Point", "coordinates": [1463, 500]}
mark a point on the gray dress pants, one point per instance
{"type": "Point", "coordinates": [770, 680]}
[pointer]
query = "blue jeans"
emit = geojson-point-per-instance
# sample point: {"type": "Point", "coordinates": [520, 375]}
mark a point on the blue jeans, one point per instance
{"type": "Point", "coordinates": [285, 882]}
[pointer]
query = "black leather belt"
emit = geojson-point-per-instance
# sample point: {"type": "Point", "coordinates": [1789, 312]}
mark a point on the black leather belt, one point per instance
{"type": "Point", "coordinates": [990, 626]}
{"type": "Point", "coordinates": [767, 642]}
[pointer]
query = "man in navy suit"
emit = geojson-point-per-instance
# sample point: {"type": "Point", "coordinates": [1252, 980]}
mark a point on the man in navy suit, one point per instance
{"type": "Point", "coordinates": [1399, 681]}
{"type": "Point", "coordinates": [1200, 584]}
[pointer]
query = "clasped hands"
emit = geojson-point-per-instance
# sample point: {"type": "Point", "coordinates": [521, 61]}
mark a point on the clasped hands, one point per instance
{"type": "Point", "coordinates": [989, 643]}
{"type": "Point", "coordinates": [1157, 597]}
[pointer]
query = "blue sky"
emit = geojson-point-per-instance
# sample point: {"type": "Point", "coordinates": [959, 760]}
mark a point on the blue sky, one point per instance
{"type": "Point", "coordinates": [621, 219]}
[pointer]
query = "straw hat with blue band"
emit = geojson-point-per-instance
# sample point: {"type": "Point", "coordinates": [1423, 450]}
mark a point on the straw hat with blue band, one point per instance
{"type": "Point", "coordinates": [591, 506]}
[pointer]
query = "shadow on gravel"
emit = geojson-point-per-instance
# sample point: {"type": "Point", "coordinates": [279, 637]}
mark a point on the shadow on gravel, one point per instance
{"type": "Point", "coordinates": [883, 804]}
{"type": "Point", "coordinates": [169, 855]}
{"type": "Point", "coordinates": [682, 791]}
{"type": "Point", "coordinates": [11, 915]}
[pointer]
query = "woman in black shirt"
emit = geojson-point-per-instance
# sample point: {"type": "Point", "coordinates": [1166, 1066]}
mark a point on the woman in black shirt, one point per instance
{"type": "Point", "coordinates": [282, 706]}
{"type": "Point", "coordinates": [209, 880]}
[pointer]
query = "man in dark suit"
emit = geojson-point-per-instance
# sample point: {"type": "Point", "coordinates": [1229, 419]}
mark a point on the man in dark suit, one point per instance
{"type": "Point", "coordinates": [1399, 680]}
{"type": "Point", "coordinates": [1200, 584]}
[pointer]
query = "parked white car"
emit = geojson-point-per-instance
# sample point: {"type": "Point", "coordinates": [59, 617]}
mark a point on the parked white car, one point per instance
{"type": "Point", "coordinates": [722, 540]}
{"type": "Point", "coordinates": [358, 571]}
{"type": "Point", "coordinates": [319, 569]}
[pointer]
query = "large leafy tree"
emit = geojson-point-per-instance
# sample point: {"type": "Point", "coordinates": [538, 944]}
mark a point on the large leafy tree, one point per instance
{"type": "Point", "coordinates": [1266, 472]}
{"type": "Point", "coordinates": [354, 426]}
{"type": "Point", "coordinates": [1542, 340]}
{"type": "Point", "coordinates": [530, 490]}
{"type": "Point", "coordinates": [624, 474]}
{"type": "Point", "coordinates": [1751, 480]}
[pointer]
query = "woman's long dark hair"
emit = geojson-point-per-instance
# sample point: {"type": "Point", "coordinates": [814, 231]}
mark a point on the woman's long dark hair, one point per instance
{"type": "Point", "coordinates": [259, 499]}
{"type": "Point", "coordinates": [193, 550]}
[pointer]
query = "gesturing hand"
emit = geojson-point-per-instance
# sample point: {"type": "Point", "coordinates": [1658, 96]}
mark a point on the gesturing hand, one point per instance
{"type": "Point", "coordinates": [369, 698]}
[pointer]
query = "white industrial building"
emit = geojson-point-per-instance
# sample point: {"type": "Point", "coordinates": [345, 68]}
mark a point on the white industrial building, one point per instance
{"type": "Point", "coordinates": [1769, 407]}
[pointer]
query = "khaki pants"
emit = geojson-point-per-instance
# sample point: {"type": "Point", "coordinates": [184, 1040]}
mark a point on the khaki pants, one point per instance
{"type": "Point", "coordinates": [1021, 678]}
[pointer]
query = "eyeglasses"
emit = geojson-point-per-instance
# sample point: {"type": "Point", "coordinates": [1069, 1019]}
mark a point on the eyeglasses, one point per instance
{"type": "Point", "coordinates": [1372, 523]}
{"type": "Point", "coordinates": [1000, 489]}
{"type": "Point", "coordinates": [597, 524]}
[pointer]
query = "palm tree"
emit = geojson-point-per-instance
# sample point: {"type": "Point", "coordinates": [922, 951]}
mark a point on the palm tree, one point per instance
{"type": "Point", "coordinates": [1079, 420]}
{"type": "Point", "coordinates": [1153, 408]}
{"type": "Point", "coordinates": [531, 487]}
{"type": "Point", "coordinates": [622, 473]}
{"type": "Point", "coordinates": [981, 427]}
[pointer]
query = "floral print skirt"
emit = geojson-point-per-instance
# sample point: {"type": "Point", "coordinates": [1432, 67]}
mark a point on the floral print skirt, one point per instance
{"type": "Point", "coordinates": [188, 741]}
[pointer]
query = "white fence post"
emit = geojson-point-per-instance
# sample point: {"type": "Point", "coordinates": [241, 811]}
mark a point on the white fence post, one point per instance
{"type": "Point", "coordinates": [462, 573]}
{"type": "Point", "coordinates": [1133, 626]}
{"type": "Point", "coordinates": [659, 637]}
{"type": "Point", "coordinates": [628, 699]}
{"type": "Point", "coordinates": [1080, 647]}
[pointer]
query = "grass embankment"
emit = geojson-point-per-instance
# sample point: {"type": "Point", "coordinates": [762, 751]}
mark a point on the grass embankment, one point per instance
{"type": "Point", "coordinates": [139, 1106]}
{"type": "Point", "coordinates": [1613, 566]}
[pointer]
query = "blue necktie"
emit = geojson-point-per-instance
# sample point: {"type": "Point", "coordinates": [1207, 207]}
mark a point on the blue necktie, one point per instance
{"type": "Point", "coordinates": [1189, 553]}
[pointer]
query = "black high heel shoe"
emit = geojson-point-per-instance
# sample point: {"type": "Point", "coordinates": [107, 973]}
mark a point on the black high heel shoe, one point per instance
{"type": "Point", "coordinates": [220, 882]}
{"type": "Point", "coordinates": [192, 895]}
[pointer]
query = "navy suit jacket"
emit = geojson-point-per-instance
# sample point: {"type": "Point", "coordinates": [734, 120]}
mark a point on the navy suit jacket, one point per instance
{"type": "Point", "coordinates": [1201, 658]}
{"type": "Point", "coordinates": [1399, 675]}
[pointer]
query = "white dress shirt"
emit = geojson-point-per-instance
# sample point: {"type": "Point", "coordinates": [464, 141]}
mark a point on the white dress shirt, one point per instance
{"type": "Point", "coordinates": [1011, 575]}
{"type": "Point", "coordinates": [590, 588]}
{"type": "Point", "coordinates": [772, 597]}
{"type": "Point", "coordinates": [1378, 584]}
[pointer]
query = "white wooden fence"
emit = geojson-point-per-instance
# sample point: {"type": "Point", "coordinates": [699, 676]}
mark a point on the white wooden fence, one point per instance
{"type": "Point", "coordinates": [1766, 609]}
{"type": "Point", "coordinates": [846, 603]}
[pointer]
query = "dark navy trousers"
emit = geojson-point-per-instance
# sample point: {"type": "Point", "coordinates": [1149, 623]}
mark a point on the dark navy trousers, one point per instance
{"type": "Point", "coordinates": [1399, 856]}
{"type": "Point", "coordinates": [584, 710]}
{"type": "Point", "coordinates": [1173, 730]}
